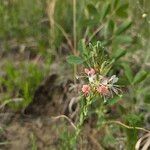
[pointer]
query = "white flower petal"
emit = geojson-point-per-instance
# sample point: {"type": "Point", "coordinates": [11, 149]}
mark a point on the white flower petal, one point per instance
{"type": "Point", "coordinates": [104, 81]}
{"type": "Point", "coordinates": [115, 90]}
{"type": "Point", "coordinates": [113, 79]}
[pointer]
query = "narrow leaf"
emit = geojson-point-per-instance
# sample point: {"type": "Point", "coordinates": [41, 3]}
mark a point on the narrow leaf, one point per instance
{"type": "Point", "coordinates": [110, 26]}
{"type": "Point", "coordinates": [128, 72]}
{"type": "Point", "coordinates": [147, 98]}
{"type": "Point", "coordinates": [114, 100]}
{"type": "Point", "coordinates": [115, 3]}
{"type": "Point", "coordinates": [91, 9]}
{"type": "Point", "coordinates": [123, 39]}
{"type": "Point", "coordinates": [122, 10]}
{"type": "Point", "coordinates": [119, 54]}
{"type": "Point", "coordinates": [81, 46]}
{"type": "Point", "coordinates": [105, 10]}
{"type": "Point", "coordinates": [123, 27]}
{"type": "Point", "coordinates": [140, 76]}
{"type": "Point", "coordinates": [74, 59]}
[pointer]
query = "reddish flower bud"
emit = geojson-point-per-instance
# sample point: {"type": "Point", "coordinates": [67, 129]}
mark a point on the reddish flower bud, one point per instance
{"type": "Point", "coordinates": [89, 72]}
{"type": "Point", "coordinates": [86, 89]}
{"type": "Point", "coordinates": [92, 71]}
{"type": "Point", "coordinates": [103, 90]}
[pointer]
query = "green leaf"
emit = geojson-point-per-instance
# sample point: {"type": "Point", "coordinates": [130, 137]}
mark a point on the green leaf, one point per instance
{"type": "Point", "coordinates": [91, 9]}
{"type": "Point", "coordinates": [132, 135]}
{"type": "Point", "coordinates": [81, 46]}
{"type": "Point", "coordinates": [74, 59]}
{"type": "Point", "coordinates": [123, 39]}
{"type": "Point", "coordinates": [123, 81]}
{"type": "Point", "coordinates": [114, 100]}
{"type": "Point", "coordinates": [115, 3]}
{"type": "Point", "coordinates": [110, 26]}
{"type": "Point", "coordinates": [147, 98]}
{"type": "Point", "coordinates": [105, 10]}
{"type": "Point", "coordinates": [122, 14]}
{"type": "Point", "coordinates": [140, 76]}
{"type": "Point", "coordinates": [122, 10]}
{"type": "Point", "coordinates": [128, 72]}
{"type": "Point", "coordinates": [123, 27]}
{"type": "Point", "coordinates": [123, 7]}
{"type": "Point", "coordinates": [119, 53]}
{"type": "Point", "coordinates": [122, 109]}
{"type": "Point", "coordinates": [133, 119]}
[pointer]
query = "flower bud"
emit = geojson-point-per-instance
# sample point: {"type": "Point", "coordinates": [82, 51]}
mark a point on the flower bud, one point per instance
{"type": "Point", "coordinates": [92, 71]}
{"type": "Point", "coordinates": [103, 90]}
{"type": "Point", "coordinates": [86, 89]}
{"type": "Point", "coordinates": [89, 72]}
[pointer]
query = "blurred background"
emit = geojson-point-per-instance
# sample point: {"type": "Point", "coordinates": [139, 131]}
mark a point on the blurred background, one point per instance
{"type": "Point", "coordinates": [36, 37]}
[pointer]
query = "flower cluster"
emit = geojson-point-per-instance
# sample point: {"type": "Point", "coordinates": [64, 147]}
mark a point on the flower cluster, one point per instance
{"type": "Point", "coordinates": [105, 86]}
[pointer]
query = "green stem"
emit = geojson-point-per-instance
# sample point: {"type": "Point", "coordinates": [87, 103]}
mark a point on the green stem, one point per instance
{"type": "Point", "coordinates": [74, 38]}
{"type": "Point", "coordinates": [83, 115]}
{"type": "Point", "coordinates": [74, 26]}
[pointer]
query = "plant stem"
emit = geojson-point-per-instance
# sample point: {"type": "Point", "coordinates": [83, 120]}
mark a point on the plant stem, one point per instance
{"type": "Point", "coordinates": [126, 126]}
{"type": "Point", "coordinates": [74, 27]}
{"type": "Point", "coordinates": [83, 116]}
{"type": "Point", "coordinates": [74, 37]}
{"type": "Point", "coordinates": [68, 119]}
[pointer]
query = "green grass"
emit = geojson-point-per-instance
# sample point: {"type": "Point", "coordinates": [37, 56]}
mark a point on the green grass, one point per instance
{"type": "Point", "coordinates": [22, 25]}
{"type": "Point", "coordinates": [21, 81]}
{"type": "Point", "coordinates": [21, 21]}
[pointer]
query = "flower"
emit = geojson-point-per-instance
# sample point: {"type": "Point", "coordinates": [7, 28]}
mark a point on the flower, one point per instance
{"type": "Point", "coordinates": [113, 79]}
{"type": "Point", "coordinates": [103, 90]}
{"type": "Point", "coordinates": [105, 86]}
{"type": "Point", "coordinates": [86, 89]}
{"type": "Point", "coordinates": [89, 72]}
{"type": "Point", "coordinates": [104, 81]}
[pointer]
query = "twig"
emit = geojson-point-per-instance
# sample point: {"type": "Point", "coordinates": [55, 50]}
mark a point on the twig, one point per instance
{"type": "Point", "coordinates": [64, 116]}
{"type": "Point", "coordinates": [128, 127]}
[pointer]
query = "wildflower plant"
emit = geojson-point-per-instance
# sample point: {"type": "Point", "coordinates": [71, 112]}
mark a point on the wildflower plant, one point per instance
{"type": "Point", "coordinates": [99, 87]}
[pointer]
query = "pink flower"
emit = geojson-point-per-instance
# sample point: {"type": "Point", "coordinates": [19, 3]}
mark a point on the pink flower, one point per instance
{"type": "Point", "coordinates": [86, 89]}
{"type": "Point", "coordinates": [89, 72]}
{"type": "Point", "coordinates": [103, 90]}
